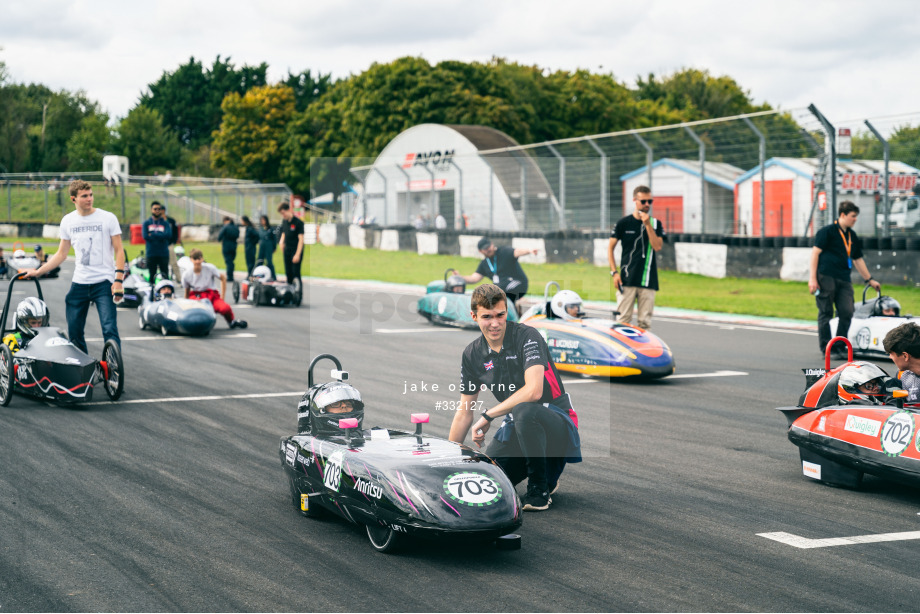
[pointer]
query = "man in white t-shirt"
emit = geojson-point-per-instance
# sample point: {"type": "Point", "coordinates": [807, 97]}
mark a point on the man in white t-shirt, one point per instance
{"type": "Point", "coordinates": [201, 282]}
{"type": "Point", "coordinates": [95, 236]}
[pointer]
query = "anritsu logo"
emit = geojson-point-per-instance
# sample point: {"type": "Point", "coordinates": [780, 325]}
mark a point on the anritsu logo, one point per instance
{"type": "Point", "coordinates": [436, 158]}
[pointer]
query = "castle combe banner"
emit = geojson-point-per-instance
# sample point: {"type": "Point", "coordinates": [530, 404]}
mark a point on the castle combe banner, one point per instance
{"type": "Point", "coordinates": [874, 182]}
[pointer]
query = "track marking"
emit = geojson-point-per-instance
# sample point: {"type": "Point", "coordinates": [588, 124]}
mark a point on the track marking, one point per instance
{"type": "Point", "coordinates": [713, 374]}
{"type": "Point", "coordinates": [257, 395]}
{"type": "Point", "coordinates": [730, 326]}
{"type": "Point", "coordinates": [585, 380]}
{"type": "Point", "coordinates": [180, 337]}
{"type": "Point", "coordinates": [797, 541]}
{"type": "Point", "coordinates": [396, 331]}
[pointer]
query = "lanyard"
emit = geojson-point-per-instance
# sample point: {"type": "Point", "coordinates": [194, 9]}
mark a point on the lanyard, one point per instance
{"type": "Point", "coordinates": [493, 266]}
{"type": "Point", "coordinates": [846, 244]}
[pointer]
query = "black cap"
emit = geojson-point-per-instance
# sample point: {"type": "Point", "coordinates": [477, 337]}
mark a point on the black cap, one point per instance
{"type": "Point", "coordinates": [483, 243]}
{"type": "Point", "coordinates": [38, 247]}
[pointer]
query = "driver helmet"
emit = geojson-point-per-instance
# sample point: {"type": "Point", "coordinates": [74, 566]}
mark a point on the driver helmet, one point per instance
{"type": "Point", "coordinates": [262, 273]}
{"type": "Point", "coordinates": [566, 304]}
{"type": "Point", "coordinates": [862, 374]}
{"type": "Point", "coordinates": [31, 314]}
{"type": "Point", "coordinates": [158, 289]}
{"type": "Point", "coordinates": [886, 303]}
{"type": "Point", "coordinates": [180, 251]}
{"type": "Point", "coordinates": [19, 253]}
{"type": "Point", "coordinates": [328, 403]}
{"type": "Point", "coordinates": [455, 283]}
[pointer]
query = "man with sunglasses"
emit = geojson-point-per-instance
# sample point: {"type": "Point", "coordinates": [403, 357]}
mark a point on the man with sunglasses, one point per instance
{"type": "Point", "coordinates": [158, 235]}
{"type": "Point", "coordinates": [636, 279]}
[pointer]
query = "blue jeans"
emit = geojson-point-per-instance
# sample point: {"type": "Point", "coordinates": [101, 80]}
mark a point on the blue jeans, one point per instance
{"type": "Point", "coordinates": [78, 300]}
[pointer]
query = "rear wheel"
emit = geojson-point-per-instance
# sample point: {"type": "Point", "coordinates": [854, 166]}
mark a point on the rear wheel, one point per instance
{"type": "Point", "coordinates": [140, 322]}
{"type": "Point", "coordinates": [383, 538]}
{"type": "Point", "coordinates": [298, 291]}
{"type": "Point", "coordinates": [163, 330]}
{"type": "Point", "coordinates": [257, 292]}
{"type": "Point", "coordinates": [236, 292]}
{"type": "Point", "coordinates": [6, 375]}
{"type": "Point", "coordinates": [114, 382]}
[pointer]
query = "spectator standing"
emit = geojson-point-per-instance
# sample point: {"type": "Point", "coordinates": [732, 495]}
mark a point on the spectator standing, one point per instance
{"type": "Point", "coordinates": [4, 269]}
{"type": "Point", "coordinates": [157, 235]}
{"type": "Point", "coordinates": [636, 281]}
{"type": "Point", "coordinates": [201, 282]}
{"type": "Point", "coordinates": [99, 267]}
{"type": "Point", "coordinates": [267, 242]}
{"type": "Point", "coordinates": [176, 241]}
{"type": "Point", "coordinates": [43, 258]}
{"type": "Point", "coordinates": [500, 264]}
{"type": "Point", "coordinates": [229, 236]}
{"type": "Point", "coordinates": [837, 251]}
{"type": "Point", "coordinates": [250, 243]}
{"type": "Point", "coordinates": [439, 222]}
{"type": "Point", "coordinates": [291, 242]}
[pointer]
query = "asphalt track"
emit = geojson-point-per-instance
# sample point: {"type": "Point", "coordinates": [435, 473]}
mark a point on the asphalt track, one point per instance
{"type": "Point", "coordinates": [174, 499]}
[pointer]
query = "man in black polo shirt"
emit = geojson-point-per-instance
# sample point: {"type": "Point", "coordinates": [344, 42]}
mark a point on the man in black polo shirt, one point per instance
{"type": "Point", "coordinates": [513, 362]}
{"type": "Point", "coordinates": [500, 264]}
{"type": "Point", "coordinates": [291, 242]}
{"type": "Point", "coordinates": [836, 252]}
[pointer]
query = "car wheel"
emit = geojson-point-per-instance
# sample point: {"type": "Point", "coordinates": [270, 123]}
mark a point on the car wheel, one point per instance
{"type": "Point", "coordinates": [383, 538]}
{"type": "Point", "coordinates": [298, 292]}
{"type": "Point", "coordinates": [257, 292]}
{"type": "Point", "coordinates": [163, 330]}
{"type": "Point", "coordinates": [6, 375]}
{"type": "Point", "coordinates": [114, 382]}
{"type": "Point", "coordinates": [140, 322]}
{"type": "Point", "coordinates": [236, 291]}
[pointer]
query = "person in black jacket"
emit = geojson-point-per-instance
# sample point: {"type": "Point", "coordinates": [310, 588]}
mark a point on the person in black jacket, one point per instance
{"type": "Point", "coordinates": [228, 236]}
{"type": "Point", "coordinates": [250, 243]}
{"type": "Point", "coordinates": [267, 242]}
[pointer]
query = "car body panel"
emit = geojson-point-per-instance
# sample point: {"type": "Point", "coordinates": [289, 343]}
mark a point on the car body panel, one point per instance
{"type": "Point", "coordinates": [180, 316]}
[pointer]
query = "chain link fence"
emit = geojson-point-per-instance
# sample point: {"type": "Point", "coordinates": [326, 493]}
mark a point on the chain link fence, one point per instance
{"type": "Point", "coordinates": [760, 174]}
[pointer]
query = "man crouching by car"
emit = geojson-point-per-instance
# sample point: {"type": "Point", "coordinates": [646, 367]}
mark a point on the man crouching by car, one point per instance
{"type": "Point", "coordinates": [513, 361]}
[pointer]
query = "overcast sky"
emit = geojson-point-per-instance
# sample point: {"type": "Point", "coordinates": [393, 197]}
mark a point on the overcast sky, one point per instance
{"type": "Point", "coordinates": [852, 59]}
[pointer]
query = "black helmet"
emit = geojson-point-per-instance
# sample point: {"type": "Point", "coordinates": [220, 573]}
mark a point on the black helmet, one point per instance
{"type": "Point", "coordinates": [455, 283]}
{"type": "Point", "coordinates": [312, 412]}
{"type": "Point", "coordinates": [30, 309]}
{"type": "Point", "coordinates": [886, 302]}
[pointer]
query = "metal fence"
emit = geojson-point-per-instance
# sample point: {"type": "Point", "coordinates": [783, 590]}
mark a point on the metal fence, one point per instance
{"type": "Point", "coordinates": [760, 174]}
{"type": "Point", "coordinates": [44, 198]}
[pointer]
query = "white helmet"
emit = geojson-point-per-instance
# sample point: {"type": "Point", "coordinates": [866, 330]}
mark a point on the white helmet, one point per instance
{"type": "Point", "coordinates": [858, 374]}
{"type": "Point", "coordinates": [30, 309]}
{"type": "Point", "coordinates": [565, 300]}
{"type": "Point", "coordinates": [180, 251]}
{"type": "Point", "coordinates": [262, 273]}
{"type": "Point", "coordinates": [164, 284]}
{"type": "Point", "coordinates": [19, 253]}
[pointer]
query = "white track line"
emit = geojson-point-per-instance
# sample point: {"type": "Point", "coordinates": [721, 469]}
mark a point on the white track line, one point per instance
{"type": "Point", "coordinates": [180, 337]}
{"type": "Point", "coordinates": [257, 395]}
{"type": "Point", "coordinates": [803, 542]}
{"type": "Point", "coordinates": [713, 374]}
{"type": "Point", "coordinates": [396, 331]}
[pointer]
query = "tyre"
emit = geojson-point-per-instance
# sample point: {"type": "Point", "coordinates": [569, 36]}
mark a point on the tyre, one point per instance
{"type": "Point", "coordinates": [114, 382]}
{"type": "Point", "coordinates": [257, 292]}
{"type": "Point", "coordinates": [236, 291]}
{"type": "Point", "coordinates": [298, 292]}
{"type": "Point", "coordinates": [163, 330]}
{"type": "Point", "coordinates": [141, 323]}
{"type": "Point", "coordinates": [6, 375]}
{"type": "Point", "coordinates": [383, 538]}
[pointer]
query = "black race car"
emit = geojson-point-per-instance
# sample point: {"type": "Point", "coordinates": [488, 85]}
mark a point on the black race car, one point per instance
{"type": "Point", "coordinates": [51, 367]}
{"type": "Point", "coordinates": [397, 484]}
{"type": "Point", "coordinates": [260, 289]}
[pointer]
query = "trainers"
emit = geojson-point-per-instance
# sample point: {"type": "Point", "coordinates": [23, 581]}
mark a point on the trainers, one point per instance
{"type": "Point", "coordinates": [553, 488]}
{"type": "Point", "coordinates": [239, 324]}
{"type": "Point", "coordinates": [536, 500]}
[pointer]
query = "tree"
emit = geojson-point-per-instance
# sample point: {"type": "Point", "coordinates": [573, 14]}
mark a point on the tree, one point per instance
{"type": "Point", "coordinates": [89, 143]}
{"type": "Point", "coordinates": [149, 145]}
{"type": "Point", "coordinates": [248, 144]}
{"type": "Point", "coordinates": [306, 88]}
{"type": "Point", "coordinates": [698, 94]}
{"type": "Point", "coordinates": [189, 98]}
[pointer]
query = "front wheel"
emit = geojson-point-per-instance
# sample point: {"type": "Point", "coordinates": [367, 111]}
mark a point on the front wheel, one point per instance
{"type": "Point", "coordinates": [383, 538]}
{"type": "Point", "coordinates": [141, 323]}
{"type": "Point", "coordinates": [114, 382]}
{"type": "Point", "coordinates": [298, 291]}
{"type": "Point", "coordinates": [236, 291]}
{"type": "Point", "coordinates": [6, 375]}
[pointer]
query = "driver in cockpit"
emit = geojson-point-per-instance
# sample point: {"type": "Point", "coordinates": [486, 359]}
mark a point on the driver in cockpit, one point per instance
{"type": "Point", "coordinates": [31, 313]}
{"type": "Point", "coordinates": [164, 289]}
{"type": "Point", "coordinates": [324, 405]}
{"type": "Point", "coordinates": [566, 304]}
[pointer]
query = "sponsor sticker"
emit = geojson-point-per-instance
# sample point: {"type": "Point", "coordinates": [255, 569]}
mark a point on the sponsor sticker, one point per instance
{"type": "Point", "coordinates": [863, 338]}
{"type": "Point", "coordinates": [55, 341]}
{"type": "Point", "coordinates": [442, 304]}
{"type": "Point", "coordinates": [822, 423]}
{"type": "Point", "coordinates": [471, 488]}
{"type": "Point", "coordinates": [812, 470]}
{"type": "Point", "coordinates": [865, 426]}
{"type": "Point", "coordinates": [290, 453]}
{"type": "Point", "coordinates": [897, 433]}
{"type": "Point", "coordinates": [333, 474]}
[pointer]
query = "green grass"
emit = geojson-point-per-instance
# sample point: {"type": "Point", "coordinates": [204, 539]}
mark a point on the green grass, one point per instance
{"type": "Point", "coordinates": [759, 297]}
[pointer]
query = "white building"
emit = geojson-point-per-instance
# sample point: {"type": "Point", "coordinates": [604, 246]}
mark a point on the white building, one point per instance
{"type": "Point", "coordinates": [790, 194]}
{"type": "Point", "coordinates": [677, 191]}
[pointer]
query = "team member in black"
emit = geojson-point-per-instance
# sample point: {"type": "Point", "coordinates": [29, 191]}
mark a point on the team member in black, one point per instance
{"type": "Point", "coordinates": [636, 281]}
{"type": "Point", "coordinates": [500, 264]}
{"type": "Point", "coordinates": [513, 362]}
{"type": "Point", "coordinates": [291, 242]}
{"type": "Point", "coordinates": [836, 252]}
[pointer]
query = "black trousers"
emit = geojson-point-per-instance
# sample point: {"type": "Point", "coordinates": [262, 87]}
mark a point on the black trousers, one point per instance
{"type": "Point", "coordinates": [229, 258]}
{"type": "Point", "coordinates": [157, 262]}
{"type": "Point", "coordinates": [537, 448]}
{"type": "Point", "coordinates": [834, 293]}
{"type": "Point", "coordinates": [291, 268]}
